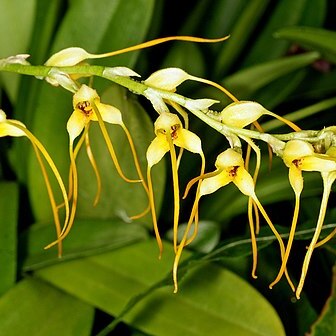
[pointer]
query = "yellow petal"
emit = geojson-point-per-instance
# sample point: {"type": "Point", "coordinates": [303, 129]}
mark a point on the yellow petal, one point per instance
{"type": "Point", "coordinates": [166, 121]}
{"type": "Point", "coordinates": [167, 79]}
{"type": "Point", "coordinates": [76, 124]}
{"type": "Point", "coordinates": [317, 163]}
{"type": "Point", "coordinates": [109, 114]}
{"type": "Point", "coordinates": [188, 140]}
{"type": "Point", "coordinates": [84, 94]}
{"type": "Point", "coordinates": [156, 150]}
{"type": "Point", "coordinates": [68, 57]}
{"type": "Point", "coordinates": [296, 149]}
{"type": "Point", "coordinates": [229, 158]}
{"type": "Point", "coordinates": [244, 181]}
{"type": "Point", "coordinates": [9, 129]}
{"type": "Point", "coordinates": [295, 179]}
{"type": "Point", "coordinates": [212, 184]}
{"type": "Point", "coordinates": [242, 113]}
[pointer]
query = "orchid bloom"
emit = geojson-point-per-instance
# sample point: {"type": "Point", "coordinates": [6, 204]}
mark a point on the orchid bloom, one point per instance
{"type": "Point", "coordinates": [87, 108]}
{"type": "Point", "coordinates": [170, 133]}
{"type": "Point", "coordinates": [300, 156]}
{"type": "Point", "coordinates": [14, 128]}
{"type": "Point", "coordinates": [230, 168]}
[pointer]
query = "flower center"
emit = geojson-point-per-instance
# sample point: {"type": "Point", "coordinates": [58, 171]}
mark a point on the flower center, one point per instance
{"type": "Point", "coordinates": [85, 107]}
{"type": "Point", "coordinates": [297, 163]}
{"type": "Point", "coordinates": [233, 171]}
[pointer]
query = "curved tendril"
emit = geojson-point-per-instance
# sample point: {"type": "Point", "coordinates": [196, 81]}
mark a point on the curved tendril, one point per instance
{"type": "Point", "coordinates": [284, 120]}
{"type": "Point", "coordinates": [159, 41]}
{"type": "Point", "coordinates": [51, 198]}
{"type": "Point", "coordinates": [195, 215]}
{"type": "Point", "coordinates": [326, 239]}
{"type": "Point", "coordinates": [251, 204]}
{"type": "Point", "coordinates": [94, 167]}
{"type": "Point", "coordinates": [216, 85]}
{"type": "Point", "coordinates": [185, 117]}
{"type": "Point", "coordinates": [138, 169]}
{"type": "Point", "coordinates": [51, 164]}
{"type": "Point", "coordinates": [110, 146]}
{"type": "Point", "coordinates": [277, 235]}
{"type": "Point", "coordinates": [326, 192]}
{"type": "Point", "coordinates": [66, 229]}
{"type": "Point", "coordinates": [253, 240]}
{"type": "Point", "coordinates": [197, 178]}
{"type": "Point", "coordinates": [290, 239]}
{"type": "Point", "coordinates": [152, 206]}
{"type": "Point", "coordinates": [176, 188]}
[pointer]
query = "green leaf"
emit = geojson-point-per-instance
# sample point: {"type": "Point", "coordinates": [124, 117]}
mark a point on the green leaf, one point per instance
{"type": "Point", "coordinates": [223, 303]}
{"type": "Point", "coordinates": [326, 323]}
{"type": "Point", "coordinates": [33, 307]}
{"type": "Point", "coordinates": [266, 48]}
{"type": "Point", "coordinates": [87, 237]}
{"type": "Point", "coordinates": [208, 236]}
{"type": "Point", "coordinates": [16, 19]}
{"type": "Point", "coordinates": [9, 207]}
{"type": "Point", "coordinates": [247, 81]}
{"type": "Point", "coordinates": [318, 39]}
{"type": "Point", "coordinates": [241, 31]}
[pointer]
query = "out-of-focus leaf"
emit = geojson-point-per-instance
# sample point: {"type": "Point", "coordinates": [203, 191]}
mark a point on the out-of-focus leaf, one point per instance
{"type": "Point", "coordinates": [318, 39]}
{"type": "Point", "coordinates": [300, 114]}
{"type": "Point", "coordinates": [9, 207]}
{"type": "Point", "coordinates": [240, 32]}
{"type": "Point", "coordinates": [266, 48]}
{"type": "Point", "coordinates": [16, 19]}
{"type": "Point", "coordinates": [247, 81]}
{"type": "Point", "coordinates": [326, 323]}
{"type": "Point", "coordinates": [314, 13]}
{"type": "Point", "coordinates": [207, 238]}
{"type": "Point", "coordinates": [87, 237]}
{"type": "Point", "coordinates": [33, 307]}
{"type": "Point", "coordinates": [222, 302]}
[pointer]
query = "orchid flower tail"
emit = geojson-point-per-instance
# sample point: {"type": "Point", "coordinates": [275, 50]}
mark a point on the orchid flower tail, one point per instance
{"type": "Point", "coordinates": [152, 206]}
{"type": "Point", "coordinates": [110, 146]}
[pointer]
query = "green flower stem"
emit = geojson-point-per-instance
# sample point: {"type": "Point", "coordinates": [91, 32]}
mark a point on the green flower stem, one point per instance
{"type": "Point", "coordinates": [232, 133]}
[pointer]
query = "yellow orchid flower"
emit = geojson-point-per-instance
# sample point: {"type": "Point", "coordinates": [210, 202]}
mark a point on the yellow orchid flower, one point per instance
{"type": "Point", "coordinates": [300, 156]}
{"type": "Point", "coordinates": [87, 108]}
{"type": "Point", "coordinates": [170, 133]}
{"type": "Point", "coordinates": [229, 168]}
{"type": "Point", "coordinates": [14, 128]}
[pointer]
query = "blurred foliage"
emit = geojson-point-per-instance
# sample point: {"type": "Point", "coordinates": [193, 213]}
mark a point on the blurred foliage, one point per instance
{"type": "Point", "coordinates": [280, 53]}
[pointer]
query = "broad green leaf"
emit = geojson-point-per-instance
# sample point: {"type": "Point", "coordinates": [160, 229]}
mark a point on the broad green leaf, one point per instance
{"type": "Point", "coordinates": [314, 13]}
{"type": "Point", "coordinates": [16, 19]}
{"type": "Point", "coordinates": [88, 237]}
{"type": "Point", "coordinates": [33, 307]}
{"type": "Point", "coordinates": [326, 323]}
{"type": "Point", "coordinates": [208, 236]}
{"type": "Point", "coordinates": [240, 32]}
{"type": "Point", "coordinates": [318, 39]}
{"type": "Point", "coordinates": [266, 48]}
{"type": "Point", "coordinates": [222, 302]}
{"type": "Point", "coordinates": [301, 114]}
{"type": "Point", "coordinates": [9, 207]}
{"type": "Point", "coordinates": [247, 81]}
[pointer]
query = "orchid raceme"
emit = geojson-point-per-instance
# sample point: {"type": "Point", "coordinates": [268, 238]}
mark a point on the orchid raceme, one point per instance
{"type": "Point", "coordinates": [14, 128]}
{"type": "Point", "coordinates": [170, 133]}
{"type": "Point", "coordinates": [230, 168]}
{"type": "Point", "coordinates": [300, 156]}
{"type": "Point", "coordinates": [87, 108]}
